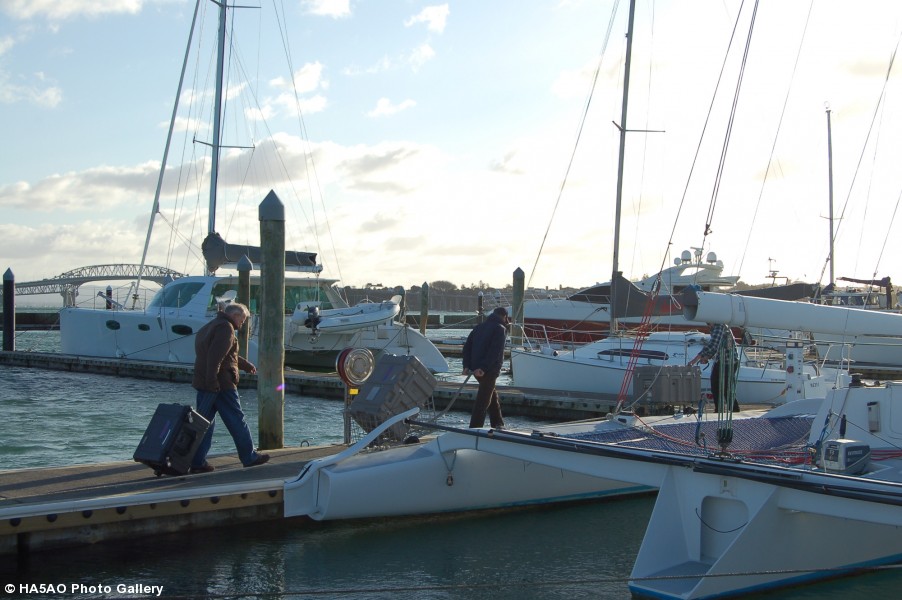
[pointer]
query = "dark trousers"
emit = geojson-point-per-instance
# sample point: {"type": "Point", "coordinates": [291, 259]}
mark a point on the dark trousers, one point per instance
{"type": "Point", "coordinates": [715, 384]}
{"type": "Point", "coordinates": [486, 401]}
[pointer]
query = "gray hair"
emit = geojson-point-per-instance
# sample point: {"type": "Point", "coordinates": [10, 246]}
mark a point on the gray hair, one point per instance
{"type": "Point", "coordinates": [236, 307]}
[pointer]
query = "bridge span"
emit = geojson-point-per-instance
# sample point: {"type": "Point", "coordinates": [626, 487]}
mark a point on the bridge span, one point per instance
{"type": "Point", "coordinates": [67, 284]}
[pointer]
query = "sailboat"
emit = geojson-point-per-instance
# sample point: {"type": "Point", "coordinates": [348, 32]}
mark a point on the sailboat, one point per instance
{"type": "Point", "coordinates": [164, 330]}
{"type": "Point", "coordinates": [471, 469]}
{"type": "Point", "coordinates": [606, 366]}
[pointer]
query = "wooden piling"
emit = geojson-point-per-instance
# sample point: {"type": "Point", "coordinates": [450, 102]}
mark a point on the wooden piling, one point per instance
{"type": "Point", "coordinates": [424, 307]}
{"type": "Point", "coordinates": [517, 307]}
{"type": "Point", "coordinates": [244, 297]}
{"type": "Point", "coordinates": [271, 367]}
{"type": "Point", "coordinates": [480, 307]}
{"type": "Point", "coordinates": [9, 311]}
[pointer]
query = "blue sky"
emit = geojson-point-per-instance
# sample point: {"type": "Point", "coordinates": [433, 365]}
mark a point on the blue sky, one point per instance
{"type": "Point", "coordinates": [441, 133]}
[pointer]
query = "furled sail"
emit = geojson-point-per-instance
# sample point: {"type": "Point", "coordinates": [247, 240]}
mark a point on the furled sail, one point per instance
{"type": "Point", "coordinates": [218, 252]}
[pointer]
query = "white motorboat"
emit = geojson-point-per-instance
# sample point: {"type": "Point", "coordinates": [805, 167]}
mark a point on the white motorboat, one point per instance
{"type": "Point", "coordinates": [164, 330]}
{"type": "Point", "coordinates": [364, 314]}
{"type": "Point", "coordinates": [600, 367]}
{"type": "Point", "coordinates": [585, 316]}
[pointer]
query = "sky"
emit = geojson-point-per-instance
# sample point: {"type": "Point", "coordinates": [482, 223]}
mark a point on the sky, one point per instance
{"type": "Point", "coordinates": [414, 141]}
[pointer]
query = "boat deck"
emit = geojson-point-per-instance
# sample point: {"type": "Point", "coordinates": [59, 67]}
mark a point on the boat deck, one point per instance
{"type": "Point", "coordinates": [778, 440]}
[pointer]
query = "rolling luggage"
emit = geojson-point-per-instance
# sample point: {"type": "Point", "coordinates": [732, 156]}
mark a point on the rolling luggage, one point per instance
{"type": "Point", "coordinates": [171, 439]}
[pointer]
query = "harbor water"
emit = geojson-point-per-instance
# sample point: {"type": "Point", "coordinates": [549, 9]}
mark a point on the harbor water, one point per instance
{"type": "Point", "coordinates": [53, 418]}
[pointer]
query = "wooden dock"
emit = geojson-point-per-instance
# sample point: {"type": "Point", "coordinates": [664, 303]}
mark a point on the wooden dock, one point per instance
{"type": "Point", "coordinates": [50, 508]}
{"type": "Point", "coordinates": [541, 404]}
{"type": "Point", "coordinates": [53, 508]}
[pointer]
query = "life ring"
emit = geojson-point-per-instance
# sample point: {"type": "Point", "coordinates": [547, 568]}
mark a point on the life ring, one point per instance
{"type": "Point", "coordinates": [355, 365]}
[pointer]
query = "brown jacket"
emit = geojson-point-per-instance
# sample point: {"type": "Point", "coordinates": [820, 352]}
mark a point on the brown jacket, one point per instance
{"type": "Point", "coordinates": [216, 359]}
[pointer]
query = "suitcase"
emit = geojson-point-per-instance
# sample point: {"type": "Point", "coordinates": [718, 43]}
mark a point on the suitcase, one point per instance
{"type": "Point", "coordinates": [171, 440]}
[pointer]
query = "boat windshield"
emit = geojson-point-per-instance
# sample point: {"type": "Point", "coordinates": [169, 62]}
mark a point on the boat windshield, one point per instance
{"type": "Point", "coordinates": [294, 295]}
{"type": "Point", "coordinates": [176, 295]}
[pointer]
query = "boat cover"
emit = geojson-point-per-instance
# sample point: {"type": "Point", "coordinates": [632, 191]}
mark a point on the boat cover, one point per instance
{"type": "Point", "coordinates": [218, 252]}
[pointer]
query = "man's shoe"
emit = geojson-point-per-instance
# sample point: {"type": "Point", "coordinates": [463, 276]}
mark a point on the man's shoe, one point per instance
{"type": "Point", "coordinates": [205, 468]}
{"type": "Point", "coordinates": [261, 459]}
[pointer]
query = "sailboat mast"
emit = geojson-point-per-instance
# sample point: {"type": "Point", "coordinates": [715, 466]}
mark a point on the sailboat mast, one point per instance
{"type": "Point", "coordinates": [830, 187]}
{"type": "Point", "coordinates": [622, 128]}
{"type": "Point", "coordinates": [217, 110]}
{"type": "Point", "coordinates": [159, 190]}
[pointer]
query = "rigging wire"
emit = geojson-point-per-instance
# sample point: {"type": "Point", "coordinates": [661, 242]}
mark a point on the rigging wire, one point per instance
{"type": "Point", "coordinates": [880, 100]}
{"type": "Point", "coordinates": [729, 132]}
{"type": "Point", "coordinates": [773, 147]}
{"type": "Point", "coordinates": [579, 133]}
{"type": "Point", "coordinates": [313, 177]}
{"type": "Point", "coordinates": [702, 136]}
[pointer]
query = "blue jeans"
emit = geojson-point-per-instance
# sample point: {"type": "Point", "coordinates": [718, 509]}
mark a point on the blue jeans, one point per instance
{"type": "Point", "coordinates": [225, 403]}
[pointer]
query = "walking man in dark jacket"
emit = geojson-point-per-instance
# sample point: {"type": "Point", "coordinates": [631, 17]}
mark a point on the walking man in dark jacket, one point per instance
{"type": "Point", "coordinates": [483, 355]}
{"type": "Point", "coordinates": [216, 367]}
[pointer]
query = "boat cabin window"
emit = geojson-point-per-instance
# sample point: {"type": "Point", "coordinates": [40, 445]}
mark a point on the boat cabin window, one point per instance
{"type": "Point", "coordinates": [176, 295]}
{"type": "Point", "coordinates": [294, 295]}
{"type": "Point", "coordinates": [647, 354]}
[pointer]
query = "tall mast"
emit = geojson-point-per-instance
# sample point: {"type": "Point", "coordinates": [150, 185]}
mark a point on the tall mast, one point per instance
{"type": "Point", "coordinates": [217, 110]}
{"type": "Point", "coordinates": [156, 196]}
{"type": "Point", "coordinates": [623, 130]}
{"type": "Point", "coordinates": [830, 187]}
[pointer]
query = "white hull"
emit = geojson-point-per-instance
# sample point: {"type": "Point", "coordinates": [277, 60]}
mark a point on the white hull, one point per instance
{"type": "Point", "coordinates": [860, 351]}
{"type": "Point", "coordinates": [389, 338]}
{"type": "Point", "coordinates": [167, 336]}
{"type": "Point", "coordinates": [351, 318]}
{"type": "Point", "coordinates": [600, 368]}
{"type": "Point", "coordinates": [165, 330]}
{"type": "Point", "coordinates": [446, 474]}
{"type": "Point", "coordinates": [738, 536]}
{"type": "Point", "coordinates": [743, 527]}
{"type": "Point", "coordinates": [460, 471]}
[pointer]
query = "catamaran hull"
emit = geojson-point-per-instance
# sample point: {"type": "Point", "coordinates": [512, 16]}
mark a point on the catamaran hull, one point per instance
{"type": "Point", "coordinates": [713, 535]}
{"type": "Point", "coordinates": [446, 474]}
{"type": "Point", "coordinates": [134, 335]}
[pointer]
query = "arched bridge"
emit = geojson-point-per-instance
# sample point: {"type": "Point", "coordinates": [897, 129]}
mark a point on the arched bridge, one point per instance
{"type": "Point", "coordinates": [67, 284]}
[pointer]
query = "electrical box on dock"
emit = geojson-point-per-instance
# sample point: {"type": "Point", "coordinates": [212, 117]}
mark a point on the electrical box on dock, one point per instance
{"type": "Point", "coordinates": [398, 383]}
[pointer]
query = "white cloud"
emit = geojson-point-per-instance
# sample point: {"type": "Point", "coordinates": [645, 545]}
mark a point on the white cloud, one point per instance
{"type": "Point", "coordinates": [435, 18]}
{"type": "Point", "coordinates": [382, 65]}
{"type": "Point", "coordinates": [95, 189]}
{"type": "Point", "coordinates": [384, 107]}
{"type": "Point", "coordinates": [306, 79]}
{"type": "Point", "coordinates": [307, 106]}
{"type": "Point", "coordinates": [420, 56]}
{"type": "Point", "coordinates": [6, 42]}
{"type": "Point", "coordinates": [66, 9]}
{"type": "Point", "coordinates": [328, 8]}
{"type": "Point", "coordinates": [34, 92]}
